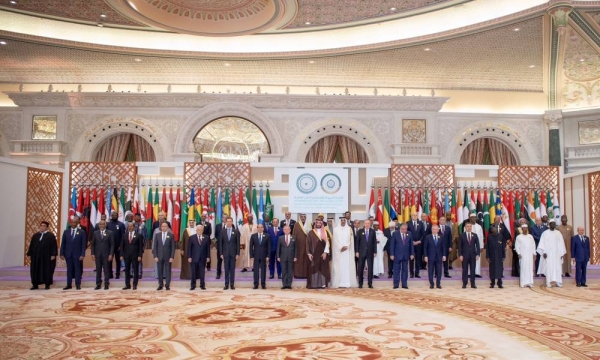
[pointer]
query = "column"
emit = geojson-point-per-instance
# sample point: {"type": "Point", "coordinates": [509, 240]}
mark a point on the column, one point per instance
{"type": "Point", "coordinates": [553, 119]}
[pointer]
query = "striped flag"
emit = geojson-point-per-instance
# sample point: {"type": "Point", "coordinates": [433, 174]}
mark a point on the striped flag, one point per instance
{"type": "Point", "coordinates": [261, 207]}
{"type": "Point", "coordinates": [372, 211]}
{"type": "Point", "coordinates": [386, 212]}
{"type": "Point", "coordinates": [176, 214]}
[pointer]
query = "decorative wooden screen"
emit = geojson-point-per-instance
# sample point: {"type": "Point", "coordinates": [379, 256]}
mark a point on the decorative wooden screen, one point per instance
{"type": "Point", "coordinates": [594, 191]}
{"type": "Point", "coordinates": [100, 173]}
{"type": "Point", "coordinates": [408, 176]}
{"type": "Point", "coordinates": [529, 178]}
{"type": "Point", "coordinates": [43, 203]}
{"type": "Point", "coordinates": [216, 174]}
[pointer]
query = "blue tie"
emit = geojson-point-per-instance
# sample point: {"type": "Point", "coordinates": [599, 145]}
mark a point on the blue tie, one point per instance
{"type": "Point", "coordinates": [260, 239]}
{"type": "Point", "coordinates": [435, 240]}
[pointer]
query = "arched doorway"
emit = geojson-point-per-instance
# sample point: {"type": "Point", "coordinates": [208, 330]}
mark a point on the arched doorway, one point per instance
{"type": "Point", "coordinates": [124, 147]}
{"type": "Point", "coordinates": [488, 151]}
{"type": "Point", "coordinates": [232, 139]}
{"type": "Point", "coordinates": [336, 149]}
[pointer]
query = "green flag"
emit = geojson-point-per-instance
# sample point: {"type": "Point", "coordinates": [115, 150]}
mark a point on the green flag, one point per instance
{"type": "Point", "coordinates": [149, 214]}
{"type": "Point", "coordinates": [254, 205]}
{"type": "Point", "coordinates": [549, 206]}
{"type": "Point", "coordinates": [486, 213]}
{"type": "Point", "coordinates": [122, 205]}
{"type": "Point", "coordinates": [269, 206]}
{"type": "Point", "coordinates": [426, 206]}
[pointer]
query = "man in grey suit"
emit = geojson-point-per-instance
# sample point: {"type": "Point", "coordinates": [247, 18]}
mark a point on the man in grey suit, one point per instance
{"type": "Point", "coordinates": [103, 244]}
{"type": "Point", "coordinates": [260, 248]}
{"type": "Point", "coordinates": [229, 248]}
{"type": "Point", "coordinates": [163, 250]}
{"type": "Point", "coordinates": [287, 254]}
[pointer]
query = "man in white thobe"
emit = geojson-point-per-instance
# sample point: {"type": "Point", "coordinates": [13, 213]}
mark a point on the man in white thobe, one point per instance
{"type": "Point", "coordinates": [525, 248]}
{"type": "Point", "coordinates": [244, 261]}
{"type": "Point", "coordinates": [378, 268]}
{"type": "Point", "coordinates": [552, 249]}
{"type": "Point", "coordinates": [343, 270]}
{"type": "Point", "coordinates": [477, 229]}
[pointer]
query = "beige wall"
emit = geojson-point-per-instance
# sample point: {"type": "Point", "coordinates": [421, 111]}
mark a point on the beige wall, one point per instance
{"type": "Point", "coordinates": [12, 222]}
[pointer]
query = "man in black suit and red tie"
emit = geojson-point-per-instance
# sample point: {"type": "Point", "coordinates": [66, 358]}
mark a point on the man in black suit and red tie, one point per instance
{"type": "Point", "coordinates": [468, 252]}
{"type": "Point", "coordinates": [260, 249]}
{"type": "Point", "coordinates": [198, 252]}
{"type": "Point", "coordinates": [366, 250]}
{"type": "Point", "coordinates": [229, 250]}
{"type": "Point", "coordinates": [132, 248]}
{"type": "Point", "coordinates": [435, 250]}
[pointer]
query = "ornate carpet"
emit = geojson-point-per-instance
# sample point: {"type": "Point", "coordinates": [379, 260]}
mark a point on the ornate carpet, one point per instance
{"type": "Point", "coordinates": [452, 323]}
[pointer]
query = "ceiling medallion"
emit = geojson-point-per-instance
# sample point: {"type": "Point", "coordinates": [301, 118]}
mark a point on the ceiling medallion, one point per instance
{"type": "Point", "coordinates": [209, 17]}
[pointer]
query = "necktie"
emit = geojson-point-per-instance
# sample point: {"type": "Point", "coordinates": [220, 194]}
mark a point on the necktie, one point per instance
{"type": "Point", "coordinates": [41, 236]}
{"type": "Point", "coordinates": [228, 233]}
{"type": "Point", "coordinates": [73, 233]}
{"type": "Point", "coordinates": [469, 238]}
{"type": "Point", "coordinates": [130, 237]}
{"type": "Point", "coordinates": [414, 223]}
{"type": "Point", "coordinates": [102, 234]}
{"type": "Point", "coordinates": [443, 229]}
{"type": "Point", "coordinates": [581, 237]}
{"type": "Point", "coordinates": [435, 239]}
{"type": "Point", "coordinates": [403, 239]}
{"type": "Point", "coordinates": [259, 239]}
{"type": "Point", "coordinates": [287, 240]}
{"type": "Point", "coordinates": [164, 238]}
{"type": "Point", "coordinates": [367, 234]}
{"type": "Point", "coordinates": [199, 239]}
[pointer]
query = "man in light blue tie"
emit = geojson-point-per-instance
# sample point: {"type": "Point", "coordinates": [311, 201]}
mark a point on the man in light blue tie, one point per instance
{"type": "Point", "coordinates": [435, 252]}
{"type": "Point", "coordinates": [229, 248]}
{"type": "Point", "coordinates": [163, 250]}
{"type": "Point", "coordinates": [260, 249]}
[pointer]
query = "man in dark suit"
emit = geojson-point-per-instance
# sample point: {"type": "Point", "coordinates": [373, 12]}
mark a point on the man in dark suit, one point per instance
{"type": "Point", "coordinates": [580, 253]}
{"type": "Point", "coordinates": [388, 234]}
{"type": "Point", "coordinates": [218, 229]}
{"type": "Point", "coordinates": [132, 248]}
{"type": "Point", "coordinates": [260, 249]}
{"type": "Point", "coordinates": [435, 251]}
{"type": "Point", "coordinates": [415, 227]}
{"type": "Point", "coordinates": [229, 248]}
{"type": "Point", "coordinates": [288, 221]}
{"type": "Point", "coordinates": [161, 218]}
{"type": "Point", "coordinates": [536, 231]}
{"type": "Point", "coordinates": [274, 233]}
{"type": "Point", "coordinates": [366, 250]}
{"type": "Point", "coordinates": [287, 254]}
{"type": "Point", "coordinates": [445, 234]}
{"type": "Point", "coordinates": [468, 252]}
{"type": "Point", "coordinates": [118, 229]}
{"type": "Point", "coordinates": [163, 250]}
{"type": "Point", "coordinates": [205, 222]}
{"type": "Point", "coordinates": [103, 248]}
{"type": "Point", "coordinates": [198, 251]}
{"type": "Point", "coordinates": [140, 230]}
{"type": "Point", "coordinates": [42, 252]}
{"type": "Point", "coordinates": [72, 251]}
{"type": "Point", "coordinates": [402, 249]}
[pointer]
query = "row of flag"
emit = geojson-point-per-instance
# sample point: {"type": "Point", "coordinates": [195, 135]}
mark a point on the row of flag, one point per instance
{"type": "Point", "coordinates": [461, 203]}
{"type": "Point", "coordinates": [179, 206]}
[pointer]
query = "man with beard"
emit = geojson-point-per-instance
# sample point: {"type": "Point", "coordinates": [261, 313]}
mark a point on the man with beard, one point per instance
{"type": "Point", "coordinates": [72, 250]}
{"type": "Point", "coordinates": [118, 229]}
{"type": "Point", "coordinates": [343, 271]}
{"type": "Point", "coordinates": [525, 249]}
{"type": "Point", "coordinates": [288, 221]}
{"type": "Point", "coordinates": [552, 249]}
{"type": "Point", "coordinates": [388, 234]}
{"type": "Point", "coordinates": [567, 233]}
{"type": "Point", "coordinates": [42, 252]}
{"type": "Point", "coordinates": [366, 251]}
{"type": "Point", "coordinates": [132, 248]}
{"type": "Point", "coordinates": [495, 254]}
{"type": "Point", "coordinates": [317, 250]}
{"type": "Point", "coordinates": [301, 229]}
{"type": "Point", "coordinates": [415, 227]}
{"type": "Point", "coordinates": [245, 261]}
{"type": "Point", "coordinates": [103, 248]}
{"type": "Point", "coordinates": [186, 271]}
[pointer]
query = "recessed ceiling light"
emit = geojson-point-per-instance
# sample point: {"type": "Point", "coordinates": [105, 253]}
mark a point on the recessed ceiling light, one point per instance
{"type": "Point", "coordinates": [307, 23]}
{"type": "Point", "coordinates": [392, 9]}
{"type": "Point", "coordinates": [532, 66]}
{"type": "Point", "coordinates": [103, 15]}
{"type": "Point", "coordinates": [581, 60]}
{"type": "Point", "coordinates": [13, 2]}
{"type": "Point", "coordinates": [311, 62]}
{"type": "Point", "coordinates": [227, 64]}
{"type": "Point", "coordinates": [2, 42]}
{"type": "Point", "coordinates": [100, 25]}
{"type": "Point", "coordinates": [427, 49]}
{"type": "Point", "coordinates": [517, 29]}
{"type": "Point", "coordinates": [137, 60]}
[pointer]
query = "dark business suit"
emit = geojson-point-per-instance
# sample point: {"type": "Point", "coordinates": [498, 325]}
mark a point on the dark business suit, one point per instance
{"type": "Point", "coordinates": [291, 224]}
{"type": "Point", "coordinates": [286, 253]}
{"type": "Point", "coordinates": [388, 234]}
{"type": "Point", "coordinates": [418, 233]}
{"type": "Point", "coordinates": [274, 235]}
{"type": "Point", "coordinates": [366, 249]}
{"type": "Point", "coordinates": [103, 246]}
{"type": "Point", "coordinates": [218, 229]}
{"type": "Point", "coordinates": [130, 253]}
{"type": "Point", "coordinates": [72, 247]}
{"type": "Point", "coordinates": [537, 231]}
{"type": "Point", "coordinates": [229, 248]}
{"type": "Point", "coordinates": [199, 251]}
{"type": "Point", "coordinates": [164, 252]}
{"type": "Point", "coordinates": [580, 251]}
{"type": "Point", "coordinates": [207, 231]}
{"type": "Point", "coordinates": [446, 237]}
{"type": "Point", "coordinates": [401, 250]}
{"type": "Point", "coordinates": [140, 229]}
{"type": "Point", "coordinates": [260, 249]}
{"type": "Point", "coordinates": [469, 251]}
{"type": "Point", "coordinates": [434, 248]}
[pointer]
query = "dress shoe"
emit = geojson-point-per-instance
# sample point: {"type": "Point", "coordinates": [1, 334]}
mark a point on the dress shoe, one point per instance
{"type": "Point", "coordinates": [447, 276]}
{"type": "Point", "coordinates": [412, 276]}
{"type": "Point", "coordinates": [477, 276]}
{"type": "Point", "coordinates": [279, 277]}
{"type": "Point", "coordinates": [34, 288]}
{"type": "Point", "coordinates": [111, 276]}
{"type": "Point", "coordinates": [78, 287]}
{"type": "Point", "coordinates": [255, 287]}
{"type": "Point", "coordinates": [97, 287]}
{"type": "Point", "coordinates": [126, 288]}
{"type": "Point", "coordinates": [283, 287]}
{"type": "Point", "coordinates": [376, 276]}
{"type": "Point", "coordinates": [47, 287]}
{"type": "Point", "coordinates": [405, 287]}
{"type": "Point", "coordinates": [439, 286]}
{"type": "Point", "coordinates": [500, 287]}
{"type": "Point", "coordinates": [105, 287]}
{"type": "Point", "coordinates": [167, 288]}
{"type": "Point", "coordinates": [159, 288]}
{"type": "Point", "coordinates": [389, 276]}
{"type": "Point", "coordinates": [417, 276]}
{"type": "Point", "coordinates": [202, 287]}
{"type": "Point", "coordinates": [218, 277]}
{"type": "Point", "coordinates": [264, 287]}
{"type": "Point", "coordinates": [450, 267]}
{"type": "Point", "coordinates": [134, 287]}
{"type": "Point", "coordinates": [192, 288]}
{"type": "Point", "coordinates": [117, 277]}
{"type": "Point", "coordinates": [568, 275]}
{"type": "Point", "coordinates": [473, 287]}
{"type": "Point", "coordinates": [464, 286]}
{"type": "Point", "coordinates": [491, 286]}
{"type": "Point", "coordinates": [395, 287]}
{"type": "Point", "coordinates": [360, 286]}
{"type": "Point", "coordinates": [536, 275]}
{"type": "Point", "coordinates": [271, 277]}
{"type": "Point", "coordinates": [584, 285]}
{"type": "Point", "coordinates": [370, 286]}
{"type": "Point", "coordinates": [431, 286]}
{"type": "Point", "coordinates": [226, 287]}
{"type": "Point", "coordinates": [244, 270]}
{"type": "Point", "coordinates": [232, 287]}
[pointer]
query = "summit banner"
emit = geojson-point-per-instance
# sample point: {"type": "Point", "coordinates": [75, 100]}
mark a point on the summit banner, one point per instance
{"type": "Point", "coordinates": [318, 190]}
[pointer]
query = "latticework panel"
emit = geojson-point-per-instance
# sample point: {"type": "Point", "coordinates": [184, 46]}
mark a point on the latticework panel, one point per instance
{"type": "Point", "coordinates": [43, 203]}
{"type": "Point", "coordinates": [594, 191]}
{"type": "Point", "coordinates": [405, 176]}
{"type": "Point", "coordinates": [103, 173]}
{"type": "Point", "coordinates": [529, 177]}
{"type": "Point", "coordinates": [216, 174]}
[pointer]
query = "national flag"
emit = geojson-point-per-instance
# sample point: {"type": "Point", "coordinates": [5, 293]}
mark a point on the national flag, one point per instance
{"type": "Point", "coordinates": [459, 212]}
{"type": "Point", "coordinates": [492, 207]}
{"type": "Point", "coordinates": [73, 204]}
{"type": "Point", "coordinates": [419, 204]}
{"type": "Point", "coordinates": [142, 204]}
{"type": "Point", "coordinates": [479, 207]}
{"type": "Point", "coordinates": [239, 209]}
{"type": "Point", "coordinates": [472, 204]}
{"type": "Point", "coordinates": [413, 205]}
{"type": "Point", "coordinates": [393, 205]}
{"type": "Point", "coordinates": [406, 212]}
{"type": "Point", "coordinates": [556, 207]}
{"type": "Point", "coordinates": [191, 206]}
{"type": "Point", "coordinates": [386, 210]}
{"type": "Point", "coordinates": [211, 212]}
{"type": "Point", "coordinates": [155, 205]}
{"type": "Point", "coordinates": [79, 211]}
{"type": "Point", "coordinates": [94, 210]}
{"type": "Point", "coordinates": [219, 212]}
{"type": "Point", "coordinates": [505, 216]}
{"type": "Point", "coordinates": [232, 205]}
{"type": "Point", "coordinates": [85, 213]}
{"type": "Point", "coordinates": [466, 205]}
{"type": "Point", "coordinates": [108, 202]}
{"type": "Point", "coordinates": [550, 205]}
{"type": "Point", "coordinates": [128, 203]}
{"type": "Point", "coordinates": [198, 207]}
{"type": "Point", "coordinates": [372, 211]}
{"type": "Point", "coordinates": [426, 208]}
{"type": "Point", "coordinates": [184, 206]}
{"type": "Point", "coordinates": [379, 216]}
{"type": "Point", "coordinates": [170, 209]}
{"type": "Point", "coordinates": [543, 202]}
{"type": "Point", "coordinates": [247, 209]}
{"type": "Point", "coordinates": [261, 207]}
{"type": "Point", "coordinates": [114, 202]}
{"type": "Point", "coordinates": [227, 203]}
{"type": "Point", "coordinates": [486, 214]}
{"type": "Point", "coordinates": [176, 224]}
{"type": "Point", "coordinates": [122, 205]}
{"type": "Point", "coordinates": [269, 205]}
{"type": "Point", "coordinates": [453, 205]}
{"type": "Point", "coordinates": [530, 209]}
{"type": "Point", "coordinates": [511, 207]}
{"type": "Point", "coordinates": [536, 205]}
{"type": "Point", "coordinates": [149, 213]}
{"type": "Point", "coordinates": [101, 206]}
{"type": "Point", "coordinates": [164, 207]}
{"type": "Point", "coordinates": [447, 207]}
{"type": "Point", "coordinates": [205, 201]}
{"type": "Point", "coordinates": [434, 208]}
{"type": "Point", "coordinates": [254, 205]}
{"type": "Point", "coordinates": [517, 206]}
{"type": "Point", "coordinates": [135, 204]}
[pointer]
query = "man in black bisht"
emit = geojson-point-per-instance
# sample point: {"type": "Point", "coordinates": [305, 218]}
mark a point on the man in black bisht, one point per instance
{"type": "Point", "coordinates": [495, 254]}
{"type": "Point", "coordinates": [42, 251]}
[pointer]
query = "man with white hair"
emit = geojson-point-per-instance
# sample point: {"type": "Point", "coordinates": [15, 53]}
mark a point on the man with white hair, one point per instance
{"type": "Point", "coordinates": [525, 248]}
{"type": "Point", "coordinates": [343, 270]}
{"type": "Point", "coordinates": [552, 249]}
{"type": "Point", "coordinates": [378, 268]}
